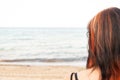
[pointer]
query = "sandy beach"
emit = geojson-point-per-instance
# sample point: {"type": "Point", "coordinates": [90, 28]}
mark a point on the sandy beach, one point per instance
{"type": "Point", "coordinates": [20, 72]}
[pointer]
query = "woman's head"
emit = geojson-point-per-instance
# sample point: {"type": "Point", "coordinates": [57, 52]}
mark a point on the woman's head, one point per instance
{"type": "Point", "coordinates": [104, 43]}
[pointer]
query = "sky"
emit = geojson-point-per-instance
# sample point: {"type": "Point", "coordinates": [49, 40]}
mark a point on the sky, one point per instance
{"type": "Point", "coordinates": [51, 13]}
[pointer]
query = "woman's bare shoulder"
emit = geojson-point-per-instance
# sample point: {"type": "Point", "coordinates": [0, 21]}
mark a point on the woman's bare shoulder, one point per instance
{"type": "Point", "coordinates": [89, 74]}
{"type": "Point", "coordinates": [83, 75]}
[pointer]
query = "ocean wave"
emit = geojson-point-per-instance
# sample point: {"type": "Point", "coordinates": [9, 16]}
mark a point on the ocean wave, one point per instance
{"type": "Point", "coordinates": [47, 60]}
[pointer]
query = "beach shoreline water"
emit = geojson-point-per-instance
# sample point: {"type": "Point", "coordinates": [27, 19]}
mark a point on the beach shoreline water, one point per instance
{"type": "Point", "coordinates": [32, 72]}
{"type": "Point", "coordinates": [42, 54]}
{"type": "Point", "coordinates": [43, 45]}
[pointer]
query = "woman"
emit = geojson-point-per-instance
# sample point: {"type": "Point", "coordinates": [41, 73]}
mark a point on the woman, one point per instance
{"type": "Point", "coordinates": [104, 47]}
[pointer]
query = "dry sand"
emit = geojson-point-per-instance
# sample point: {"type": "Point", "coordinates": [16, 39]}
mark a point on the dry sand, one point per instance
{"type": "Point", "coordinates": [19, 72]}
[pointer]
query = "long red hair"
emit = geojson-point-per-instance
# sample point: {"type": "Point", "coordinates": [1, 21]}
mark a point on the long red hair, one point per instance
{"type": "Point", "coordinates": [104, 43]}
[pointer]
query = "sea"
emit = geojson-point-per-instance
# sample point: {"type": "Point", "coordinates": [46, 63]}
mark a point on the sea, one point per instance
{"type": "Point", "coordinates": [43, 46]}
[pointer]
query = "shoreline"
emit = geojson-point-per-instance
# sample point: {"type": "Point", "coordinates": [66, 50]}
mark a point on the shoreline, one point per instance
{"type": "Point", "coordinates": [32, 72]}
{"type": "Point", "coordinates": [74, 63]}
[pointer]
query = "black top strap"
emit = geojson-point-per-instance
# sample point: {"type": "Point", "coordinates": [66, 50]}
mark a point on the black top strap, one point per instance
{"type": "Point", "coordinates": [71, 77]}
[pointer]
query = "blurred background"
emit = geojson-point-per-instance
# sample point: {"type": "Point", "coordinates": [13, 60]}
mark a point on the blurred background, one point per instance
{"type": "Point", "coordinates": [47, 32]}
